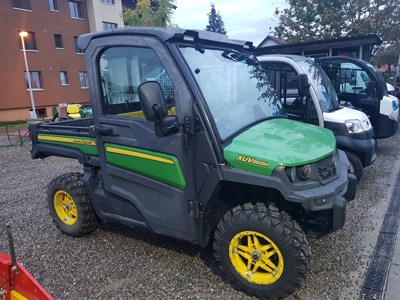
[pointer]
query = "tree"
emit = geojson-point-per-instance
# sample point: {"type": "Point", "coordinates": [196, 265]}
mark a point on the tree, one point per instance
{"type": "Point", "coordinates": [156, 13]}
{"type": "Point", "coordinates": [309, 20]}
{"type": "Point", "coordinates": [164, 12]}
{"type": "Point", "coordinates": [215, 22]}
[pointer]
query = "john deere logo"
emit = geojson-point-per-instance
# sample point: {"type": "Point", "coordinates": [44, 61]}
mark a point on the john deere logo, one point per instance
{"type": "Point", "coordinates": [251, 160]}
{"type": "Point", "coordinates": [84, 142]}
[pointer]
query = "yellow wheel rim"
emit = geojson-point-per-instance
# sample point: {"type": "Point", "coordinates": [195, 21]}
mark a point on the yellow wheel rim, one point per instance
{"type": "Point", "coordinates": [256, 257]}
{"type": "Point", "coordinates": [65, 208]}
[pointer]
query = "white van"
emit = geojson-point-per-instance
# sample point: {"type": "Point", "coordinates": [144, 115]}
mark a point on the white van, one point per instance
{"type": "Point", "coordinates": [308, 96]}
{"type": "Point", "coordinates": [361, 86]}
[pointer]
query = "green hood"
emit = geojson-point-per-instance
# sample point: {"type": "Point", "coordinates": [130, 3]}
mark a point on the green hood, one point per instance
{"type": "Point", "coordinates": [279, 142]}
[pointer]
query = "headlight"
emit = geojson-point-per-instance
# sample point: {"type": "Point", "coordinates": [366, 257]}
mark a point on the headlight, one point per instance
{"type": "Point", "coordinates": [354, 126]}
{"type": "Point", "coordinates": [304, 171]}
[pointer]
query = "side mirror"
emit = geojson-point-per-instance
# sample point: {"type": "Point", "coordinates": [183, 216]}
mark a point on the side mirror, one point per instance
{"type": "Point", "coordinates": [152, 100]}
{"type": "Point", "coordinates": [304, 86]}
{"type": "Point", "coordinates": [155, 109]}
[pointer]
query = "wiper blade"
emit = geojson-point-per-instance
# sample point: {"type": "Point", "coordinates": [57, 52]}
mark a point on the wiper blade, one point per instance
{"type": "Point", "coordinates": [334, 108]}
{"type": "Point", "coordinates": [238, 57]}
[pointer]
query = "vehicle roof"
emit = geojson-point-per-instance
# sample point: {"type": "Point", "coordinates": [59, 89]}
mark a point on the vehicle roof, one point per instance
{"type": "Point", "coordinates": [164, 34]}
{"type": "Point", "coordinates": [348, 59]}
{"type": "Point", "coordinates": [345, 58]}
{"type": "Point", "coordinates": [289, 56]}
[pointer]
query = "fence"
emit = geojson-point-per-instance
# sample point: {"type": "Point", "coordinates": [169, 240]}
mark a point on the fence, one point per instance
{"type": "Point", "coordinates": [12, 136]}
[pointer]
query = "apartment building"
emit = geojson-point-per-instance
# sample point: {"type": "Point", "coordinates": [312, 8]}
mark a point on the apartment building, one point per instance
{"type": "Point", "coordinates": [104, 14]}
{"type": "Point", "coordinates": [56, 64]}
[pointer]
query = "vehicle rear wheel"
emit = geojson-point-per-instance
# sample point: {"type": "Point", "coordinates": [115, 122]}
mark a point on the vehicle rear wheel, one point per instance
{"type": "Point", "coordinates": [356, 166]}
{"type": "Point", "coordinates": [261, 250]}
{"type": "Point", "coordinates": [69, 205]}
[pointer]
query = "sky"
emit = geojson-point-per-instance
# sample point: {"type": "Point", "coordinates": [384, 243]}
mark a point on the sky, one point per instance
{"type": "Point", "coordinates": [244, 20]}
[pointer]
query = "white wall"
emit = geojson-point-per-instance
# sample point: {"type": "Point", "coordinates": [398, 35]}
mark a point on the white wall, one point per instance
{"type": "Point", "coordinates": [99, 12]}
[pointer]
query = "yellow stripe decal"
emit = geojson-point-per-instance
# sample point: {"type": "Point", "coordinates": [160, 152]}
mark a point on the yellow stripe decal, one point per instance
{"type": "Point", "coordinates": [66, 140]}
{"type": "Point", "coordinates": [140, 155]}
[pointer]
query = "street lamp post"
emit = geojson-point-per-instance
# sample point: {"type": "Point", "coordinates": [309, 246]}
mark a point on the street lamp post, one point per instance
{"type": "Point", "coordinates": [23, 34]}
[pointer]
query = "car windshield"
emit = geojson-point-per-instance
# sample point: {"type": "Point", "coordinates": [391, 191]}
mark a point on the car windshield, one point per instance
{"type": "Point", "coordinates": [323, 87]}
{"type": "Point", "coordinates": [235, 88]}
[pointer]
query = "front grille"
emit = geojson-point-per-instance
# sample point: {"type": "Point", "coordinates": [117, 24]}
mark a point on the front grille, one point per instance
{"type": "Point", "coordinates": [326, 167]}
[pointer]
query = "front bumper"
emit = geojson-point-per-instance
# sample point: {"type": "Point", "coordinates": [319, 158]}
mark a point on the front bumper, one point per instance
{"type": "Point", "coordinates": [386, 127]}
{"type": "Point", "coordinates": [319, 199]}
{"type": "Point", "coordinates": [362, 144]}
{"type": "Point", "coordinates": [328, 198]}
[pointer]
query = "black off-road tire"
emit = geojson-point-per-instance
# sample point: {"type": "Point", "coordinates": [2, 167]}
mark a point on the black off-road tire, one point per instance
{"type": "Point", "coordinates": [75, 215]}
{"type": "Point", "coordinates": [355, 165]}
{"type": "Point", "coordinates": [285, 234]}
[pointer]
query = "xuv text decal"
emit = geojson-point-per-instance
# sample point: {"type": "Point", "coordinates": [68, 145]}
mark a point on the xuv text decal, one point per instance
{"type": "Point", "coordinates": [252, 160]}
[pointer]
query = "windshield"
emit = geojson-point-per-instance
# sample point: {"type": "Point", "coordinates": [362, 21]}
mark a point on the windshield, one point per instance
{"type": "Point", "coordinates": [235, 88]}
{"type": "Point", "coordinates": [323, 87]}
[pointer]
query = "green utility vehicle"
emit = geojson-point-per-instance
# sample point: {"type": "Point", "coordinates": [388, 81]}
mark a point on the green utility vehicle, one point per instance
{"type": "Point", "coordinates": [188, 141]}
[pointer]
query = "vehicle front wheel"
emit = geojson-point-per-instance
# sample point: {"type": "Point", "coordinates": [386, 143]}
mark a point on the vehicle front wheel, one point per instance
{"type": "Point", "coordinates": [356, 166]}
{"type": "Point", "coordinates": [261, 250]}
{"type": "Point", "coordinates": [69, 205]}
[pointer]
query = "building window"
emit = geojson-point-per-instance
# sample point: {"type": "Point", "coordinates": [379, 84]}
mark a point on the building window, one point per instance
{"type": "Point", "coordinates": [22, 4]}
{"type": "Point", "coordinates": [58, 41]}
{"type": "Point", "coordinates": [109, 26]}
{"type": "Point", "coordinates": [41, 113]}
{"type": "Point", "coordinates": [83, 80]}
{"type": "Point", "coordinates": [76, 9]}
{"type": "Point", "coordinates": [53, 5]}
{"type": "Point", "coordinates": [64, 78]}
{"type": "Point", "coordinates": [108, 1]}
{"type": "Point", "coordinates": [77, 49]}
{"type": "Point", "coordinates": [36, 80]}
{"type": "Point", "coordinates": [29, 41]}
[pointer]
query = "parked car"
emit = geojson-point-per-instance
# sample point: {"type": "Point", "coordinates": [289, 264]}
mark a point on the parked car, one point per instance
{"type": "Point", "coordinates": [359, 85]}
{"type": "Point", "coordinates": [308, 96]}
